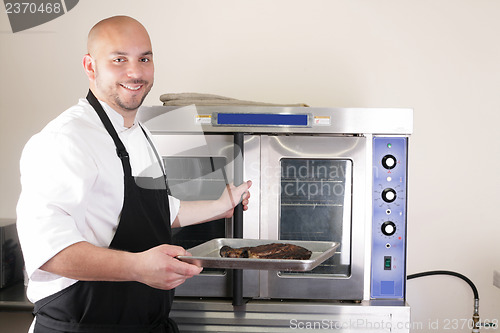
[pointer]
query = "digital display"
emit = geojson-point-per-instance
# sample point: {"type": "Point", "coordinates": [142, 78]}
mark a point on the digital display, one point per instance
{"type": "Point", "coordinates": [262, 119]}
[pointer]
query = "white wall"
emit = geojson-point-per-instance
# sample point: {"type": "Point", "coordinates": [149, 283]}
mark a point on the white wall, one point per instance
{"type": "Point", "coordinates": [441, 58]}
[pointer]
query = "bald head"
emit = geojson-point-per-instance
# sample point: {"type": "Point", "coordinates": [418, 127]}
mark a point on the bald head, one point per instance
{"type": "Point", "coordinates": [113, 28]}
{"type": "Point", "coordinates": [119, 64]}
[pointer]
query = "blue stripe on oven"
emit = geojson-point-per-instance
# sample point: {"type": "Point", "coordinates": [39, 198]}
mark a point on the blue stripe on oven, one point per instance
{"type": "Point", "coordinates": [262, 119]}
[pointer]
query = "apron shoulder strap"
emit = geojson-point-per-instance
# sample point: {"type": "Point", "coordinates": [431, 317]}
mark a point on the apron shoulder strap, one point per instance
{"type": "Point", "coordinates": [121, 151]}
{"type": "Point", "coordinates": [163, 168]}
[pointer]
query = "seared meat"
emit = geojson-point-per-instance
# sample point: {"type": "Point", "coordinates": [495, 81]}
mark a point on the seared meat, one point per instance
{"type": "Point", "coordinates": [229, 252]}
{"type": "Point", "coordinates": [267, 251]}
{"type": "Point", "coordinates": [279, 251]}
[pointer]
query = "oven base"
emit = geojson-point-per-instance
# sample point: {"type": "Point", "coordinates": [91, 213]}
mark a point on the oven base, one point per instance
{"type": "Point", "coordinates": [219, 315]}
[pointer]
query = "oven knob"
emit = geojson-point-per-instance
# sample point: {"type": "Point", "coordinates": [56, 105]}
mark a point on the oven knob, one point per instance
{"type": "Point", "coordinates": [389, 162]}
{"type": "Point", "coordinates": [388, 228]}
{"type": "Point", "coordinates": [389, 195]}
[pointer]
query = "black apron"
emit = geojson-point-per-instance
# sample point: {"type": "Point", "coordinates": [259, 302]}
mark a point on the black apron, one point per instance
{"type": "Point", "coordinates": [109, 307]}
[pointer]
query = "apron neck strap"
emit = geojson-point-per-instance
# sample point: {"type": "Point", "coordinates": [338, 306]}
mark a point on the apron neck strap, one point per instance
{"type": "Point", "coordinates": [121, 151]}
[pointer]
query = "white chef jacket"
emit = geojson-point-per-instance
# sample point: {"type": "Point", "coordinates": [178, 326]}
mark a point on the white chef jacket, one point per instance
{"type": "Point", "coordinates": [73, 188]}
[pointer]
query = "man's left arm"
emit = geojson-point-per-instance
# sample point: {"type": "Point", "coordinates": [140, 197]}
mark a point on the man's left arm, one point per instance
{"type": "Point", "coordinates": [194, 212]}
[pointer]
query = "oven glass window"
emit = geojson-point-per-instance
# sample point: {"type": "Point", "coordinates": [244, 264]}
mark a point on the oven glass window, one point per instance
{"type": "Point", "coordinates": [197, 178]}
{"type": "Point", "coordinates": [315, 206]}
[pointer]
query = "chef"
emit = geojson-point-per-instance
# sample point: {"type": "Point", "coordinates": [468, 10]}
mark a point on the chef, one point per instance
{"type": "Point", "coordinates": [95, 238]}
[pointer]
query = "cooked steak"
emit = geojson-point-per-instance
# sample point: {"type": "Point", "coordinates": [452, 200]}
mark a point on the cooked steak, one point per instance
{"type": "Point", "coordinates": [279, 251]}
{"type": "Point", "coordinates": [229, 252]}
{"type": "Point", "coordinates": [267, 251]}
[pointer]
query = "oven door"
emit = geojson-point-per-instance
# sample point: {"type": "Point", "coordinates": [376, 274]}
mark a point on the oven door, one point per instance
{"type": "Point", "coordinates": [313, 189]}
{"type": "Point", "coordinates": [198, 167]}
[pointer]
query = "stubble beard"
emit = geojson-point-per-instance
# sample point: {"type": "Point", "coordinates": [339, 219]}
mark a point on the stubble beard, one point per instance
{"type": "Point", "coordinates": [134, 104]}
{"type": "Point", "coordinates": [112, 94]}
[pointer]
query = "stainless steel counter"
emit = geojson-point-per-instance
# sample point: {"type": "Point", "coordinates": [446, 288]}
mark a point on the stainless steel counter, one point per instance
{"type": "Point", "coordinates": [13, 298]}
{"type": "Point", "coordinates": [203, 315]}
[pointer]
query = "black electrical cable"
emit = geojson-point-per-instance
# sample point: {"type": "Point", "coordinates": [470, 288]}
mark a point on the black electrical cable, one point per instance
{"type": "Point", "coordinates": [475, 315]}
{"type": "Point", "coordinates": [463, 277]}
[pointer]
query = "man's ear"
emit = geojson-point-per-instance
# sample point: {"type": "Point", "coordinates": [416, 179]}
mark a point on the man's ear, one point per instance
{"type": "Point", "coordinates": [89, 66]}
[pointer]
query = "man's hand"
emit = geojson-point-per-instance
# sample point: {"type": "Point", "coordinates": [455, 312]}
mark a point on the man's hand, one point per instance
{"type": "Point", "coordinates": [232, 196]}
{"type": "Point", "coordinates": [159, 268]}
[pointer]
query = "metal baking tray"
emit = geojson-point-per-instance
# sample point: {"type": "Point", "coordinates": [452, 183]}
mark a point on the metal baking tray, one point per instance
{"type": "Point", "coordinates": [207, 255]}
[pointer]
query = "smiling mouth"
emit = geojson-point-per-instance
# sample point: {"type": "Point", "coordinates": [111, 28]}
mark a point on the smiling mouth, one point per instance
{"type": "Point", "coordinates": [133, 88]}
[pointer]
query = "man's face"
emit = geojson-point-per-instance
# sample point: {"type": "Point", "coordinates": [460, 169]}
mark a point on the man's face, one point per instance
{"type": "Point", "coordinates": [124, 69]}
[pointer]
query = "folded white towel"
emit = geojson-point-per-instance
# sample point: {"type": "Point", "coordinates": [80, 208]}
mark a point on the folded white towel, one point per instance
{"type": "Point", "coordinates": [183, 99]}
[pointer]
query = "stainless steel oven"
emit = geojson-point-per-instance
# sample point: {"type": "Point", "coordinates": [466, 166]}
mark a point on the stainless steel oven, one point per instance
{"type": "Point", "coordinates": [319, 174]}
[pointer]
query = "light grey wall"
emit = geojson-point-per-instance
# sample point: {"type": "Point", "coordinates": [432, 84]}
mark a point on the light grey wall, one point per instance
{"type": "Point", "coordinates": [441, 58]}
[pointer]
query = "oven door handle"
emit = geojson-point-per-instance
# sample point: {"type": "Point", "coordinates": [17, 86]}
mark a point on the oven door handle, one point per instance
{"type": "Point", "coordinates": [237, 274]}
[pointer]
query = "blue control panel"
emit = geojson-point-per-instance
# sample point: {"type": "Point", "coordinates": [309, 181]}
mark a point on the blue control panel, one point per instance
{"type": "Point", "coordinates": [262, 119]}
{"type": "Point", "coordinates": [388, 271]}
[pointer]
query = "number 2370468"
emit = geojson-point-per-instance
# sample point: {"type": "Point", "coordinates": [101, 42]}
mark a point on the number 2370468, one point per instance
{"type": "Point", "coordinates": [33, 8]}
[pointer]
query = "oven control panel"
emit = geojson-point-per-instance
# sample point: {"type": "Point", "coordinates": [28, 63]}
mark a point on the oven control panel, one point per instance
{"type": "Point", "coordinates": [388, 262]}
